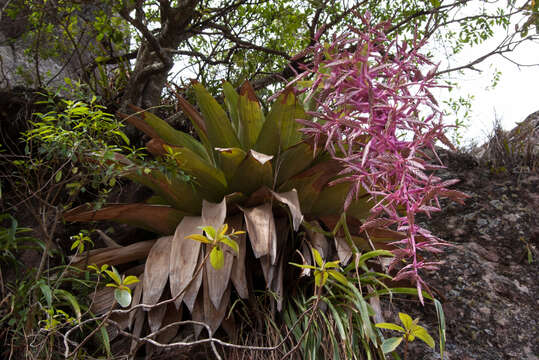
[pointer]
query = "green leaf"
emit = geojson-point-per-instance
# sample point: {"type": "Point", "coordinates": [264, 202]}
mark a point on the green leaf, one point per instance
{"type": "Point", "coordinates": [218, 126]}
{"type": "Point", "coordinates": [292, 161]}
{"type": "Point", "coordinates": [441, 326]}
{"type": "Point", "coordinates": [105, 340]}
{"type": "Point", "coordinates": [130, 280]}
{"type": "Point", "coordinates": [317, 257]}
{"type": "Point", "coordinates": [210, 180]}
{"type": "Point", "coordinates": [210, 232]}
{"type": "Point", "coordinates": [253, 172]}
{"type": "Point", "coordinates": [406, 321]}
{"type": "Point", "coordinates": [58, 176]}
{"type": "Point", "coordinates": [421, 333]}
{"type": "Point", "coordinates": [390, 326]}
{"type": "Point", "coordinates": [230, 158]}
{"type": "Point", "coordinates": [391, 344]}
{"type": "Point", "coordinates": [217, 258]}
{"type": "Point", "coordinates": [114, 276]}
{"type": "Point", "coordinates": [320, 278]}
{"type": "Point", "coordinates": [199, 238]}
{"type": "Point", "coordinates": [231, 244]}
{"type": "Point", "coordinates": [123, 297]}
{"type": "Point", "coordinates": [251, 117]}
{"type": "Point", "coordinates": [375, 253]}
{"type": "Point", "coordinates": [156, 127]}
{"type": "Point", "coordinates": [46, 290]}
{"type": "Point", "coordinates": [280, 130]}
{"type": "Point", "coordinates": [71, 300]}
{"type": "Point", "coordinates": [338, 276]}
{"type": "Point", "coordinates": [231, 103]}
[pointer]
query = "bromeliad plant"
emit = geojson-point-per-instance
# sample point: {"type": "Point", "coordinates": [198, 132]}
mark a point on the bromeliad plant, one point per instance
{"type": "Point", "coordinates": [260, 174]}
{"type": "Point", "coordinates": [255, 172]}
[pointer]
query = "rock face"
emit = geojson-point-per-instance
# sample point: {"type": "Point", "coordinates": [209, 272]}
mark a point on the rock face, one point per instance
{"type": "Point", "coordinates": [487, 285]}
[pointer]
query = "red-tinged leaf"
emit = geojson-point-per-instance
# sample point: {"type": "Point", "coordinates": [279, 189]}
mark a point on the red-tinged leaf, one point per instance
{"type": "Point", "coordinates": [218, 127]}
{"type": "Point", "coordinates": [161, 219]}
{"type": "Point", "coordinates": [157, 270]}
{"type": "Point", "coordinates": [184, 256]}
{"type": "Point", "coordinates": [251, 117]}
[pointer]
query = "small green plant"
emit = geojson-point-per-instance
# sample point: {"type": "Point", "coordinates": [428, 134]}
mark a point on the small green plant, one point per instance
{"type": "Point", "coordinates": [122, 291]}
{"type": "Point", "coordinates": [80, 241]}
{"type": "Point", "coordinates": [323, 270]}
{"type": "Point", "coordinates": [410, 331]}
{"type": "Point", "coordinates": [214, 238]}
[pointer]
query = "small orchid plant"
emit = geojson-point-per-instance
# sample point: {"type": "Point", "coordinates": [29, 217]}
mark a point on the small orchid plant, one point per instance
{"type": "Point", "coordinates": [372, 110]}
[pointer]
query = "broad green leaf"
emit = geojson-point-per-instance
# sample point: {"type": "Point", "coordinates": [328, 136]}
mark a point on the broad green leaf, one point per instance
{"type": "Point", "coordinates": [230, 159]}
{"type": "Point", "coordinates": [406, 320]}
{"type": "Point", "coordinates": [123, 297]}
{"type": "Point", "coordinates": [390, 326]}
{"type": "Point", "coordinates": [217, 258]}
{"type": "Point", "coordinates": [253, 172]}
{"type": "Point", "coordinates": [231, 244]}
{"type": "Point", "coordinates": [210, 180]}
{"type": "Point", "coordinates": [310, 183]}
{"type": "Point", "coordinates": [292, 161]}
{"type": "Point", "coordinates": [160, 219]}
{"type": "Point", "coordinates": [251, 117]}
{"type": "Point", "coordinates": [218, 126]}
{"type": "Point", "coordinates": [421, 333]}
{"type": "Point", "coordinates": [162, 130]}
{"type": "Point", "coordinates": [391, 344]}
{"type": "Point", "coordinates": [331, 201]}
{"type": "Point", "coordinates": [231, 103]}
{"type": "Point", "coordinates": [281, 130]}
{"type": "Point", "coordinates": [176, 191]}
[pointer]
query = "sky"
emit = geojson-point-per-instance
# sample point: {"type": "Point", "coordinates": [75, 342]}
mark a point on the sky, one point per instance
{"type": "Point", "coordinates": [511, 101]}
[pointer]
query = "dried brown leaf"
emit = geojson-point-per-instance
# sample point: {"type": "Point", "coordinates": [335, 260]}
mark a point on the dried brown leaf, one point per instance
{"type": "Point", "coordinates": [239, 274]}
{"type": "Point", "coordinates": [157, 270]}
{"type": "Point", "coordinates": [184, 255]}
{"type": "Point", "coordinates": [213, 316]}
{"type": "Point", "coordinates": [192, 290]}
{"type": "Point", "coordinates": [290, 198]}
{"type": "Point", "coordinates": [115, 256]}
{"type": "Point", "coordinates": [261, 228]}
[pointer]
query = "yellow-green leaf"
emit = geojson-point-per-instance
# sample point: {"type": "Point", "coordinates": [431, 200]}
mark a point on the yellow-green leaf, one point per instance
{"type": "Point", "coordinates": [254, 172]}
{"type": "Point", "coordinates": [199, 238]}
{"type": "Point", "coordinates": [231, 103]}
{"type": "Point", "coordinates": [231, 244]}
{"type": "Point", "coordinates": [421, 333]}
{"type": "Point", "coordinates": [320, 278]}
{"type": "Point", "coordinates": [251, 117]}
{"type": "Point", "coordinates": [390, 326]}
{"type": "Point", "coordinates": [217, 258]}
{"type": "Point", "coordinates": [218, 126]}
{"type": "Point", "coordinates": [230, 159]}
{"type": "Point", "coordinates": [406, 320]}
{"type": "Point", "coordinates": [317, 258]}
{"type": "Point", "coordinates": [391, 344]}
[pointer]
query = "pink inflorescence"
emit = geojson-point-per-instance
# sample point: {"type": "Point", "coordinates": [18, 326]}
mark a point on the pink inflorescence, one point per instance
{"type": "Point", "coordinates": [375, 114]}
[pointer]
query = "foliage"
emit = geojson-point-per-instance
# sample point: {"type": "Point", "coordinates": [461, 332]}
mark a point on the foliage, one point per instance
{"type": "Point", "coordinates": [410, 331]}
{"type": "Point", "coordinates": [371, 105]}
{"type": "Point", "coordinates": [214, 238]}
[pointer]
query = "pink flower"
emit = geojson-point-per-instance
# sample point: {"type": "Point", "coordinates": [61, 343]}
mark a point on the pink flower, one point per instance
{"type": "Point", "coordinates": [375, 114]}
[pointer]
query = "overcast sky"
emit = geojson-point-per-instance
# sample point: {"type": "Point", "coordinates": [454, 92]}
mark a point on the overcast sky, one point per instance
{"type": "Point", "coordinates": [511, 101]}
